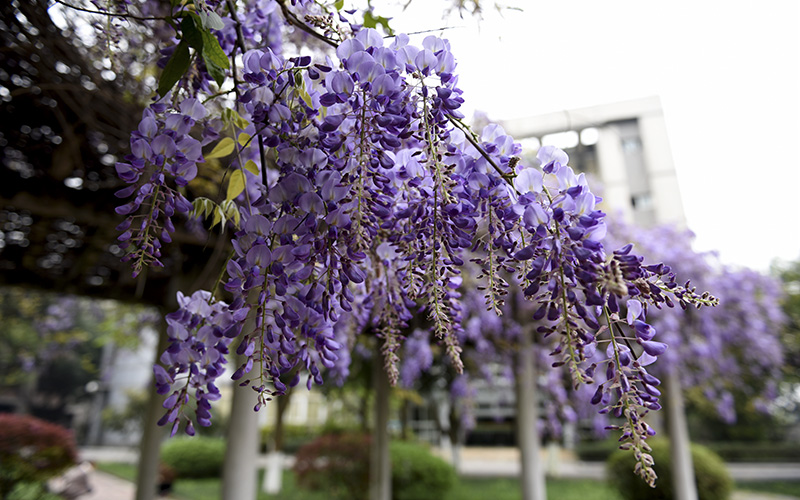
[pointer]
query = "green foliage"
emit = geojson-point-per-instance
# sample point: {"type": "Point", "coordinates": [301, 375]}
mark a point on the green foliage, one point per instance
{"type": "Point", "coordinates": [176, 67]}
{"type": "Point", "coordinates": [712, 478]}
{"type": "Point", "coordinates": [196, 457]}
{"type": "Point", "coordinates": [338, 464]}
{"type": "Point", "coordinates": [294, 436]}
{"type": "Point", "coordinates": [509, 489]}
{"type": "Point", "coordinates": [596, 451]}
{"type": "Point", "coordinates": [373, 21]}
{"type": "Point", "coordinates": [464, 489]}
{"type": "Point", "coordinates": [789, 274]}
{"type": "Point", "coordinates": [204, 43]}
{"type": "Point", "coordinates": [32, 491]}
{"type": "Point", "coordinates": [732, 451]}
{"type": "Point", "coordinates": [417, 474]}
{"type": "Point", "coordinates": [32, 450]}
{"type": "Point", "coordinates": [74, 350]}
{"type": "Point", "coordinates": [789, 488]}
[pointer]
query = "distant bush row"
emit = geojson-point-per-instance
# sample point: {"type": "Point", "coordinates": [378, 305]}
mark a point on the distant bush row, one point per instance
{"type": "Point", "coordinates": [337, 464]}
{"type": "Point", "coordinates": [599, 451]}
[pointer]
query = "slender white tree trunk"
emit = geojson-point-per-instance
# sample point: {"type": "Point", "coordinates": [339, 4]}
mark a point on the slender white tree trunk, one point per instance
{"type": "Point", "coordinates": [380, 471]}
{"type": "Point", "coordinates": [273, 476]}
{"type": "Point", "coordinates": [682, 467]}
{"type": "Point", "coordinates": [531, 470]}
{"type": "Point", "coordinates": [152, 435]}
{"type": "Point", "coordinates": [239, 472]}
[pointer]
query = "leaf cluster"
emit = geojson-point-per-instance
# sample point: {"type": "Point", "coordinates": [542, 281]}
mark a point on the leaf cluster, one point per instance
{"type": "Point", "coordinates": [194, 35]}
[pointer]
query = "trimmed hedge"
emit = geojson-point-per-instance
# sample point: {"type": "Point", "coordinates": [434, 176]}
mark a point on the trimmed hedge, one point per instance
{"type": "Point", "coordinates": [194, 457]}
{"type": "Point", "coordinates": [596, 451]}
{"type": "Point", "coordinates": [739, 451]}
{"type": "Point", "coordinates": [338, 464]}
{"type": "Point", "coordinates": [417, 474]}
{"type": "Point", "coordinates": [712, 477]}
{"type": "Point", "coordinates": [729, 451]}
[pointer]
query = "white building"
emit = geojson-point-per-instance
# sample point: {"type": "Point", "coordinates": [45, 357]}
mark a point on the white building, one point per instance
{"type": "Point", "coordinates": [623, 145]}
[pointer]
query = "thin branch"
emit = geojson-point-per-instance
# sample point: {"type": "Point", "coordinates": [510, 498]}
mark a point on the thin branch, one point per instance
{"type": "Point", "coordinates": [263, 155]}
{"type": "Point", "coordinates": [293, 19]}
{"type": "Point", "coordinates": [422, 32]}
{"type": "Point", "coordinates": [468, 135]}
{"type": "Point", "coordinates": [111, 14]}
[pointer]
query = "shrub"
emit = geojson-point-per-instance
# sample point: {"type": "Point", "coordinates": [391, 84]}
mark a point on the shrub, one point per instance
{"type": "Point", "coordinates": [596, 451]}
{"type": "Point", "coordinates": [711, 476]}
{"type": "Point", "coordinates": [32, 450]}
{"type": "Point", "coordinates": [195, 457]}
{"type": "Point", "coordinates": [338, 464]}
{"type": "Point", "coordinates": [335, 463]}
{"type": "Point", "coordinates": [742, 451]}
{"type": "Point", "coordinates": [294, 437]}
{"type": "Point", "coordinates": [417, 474]}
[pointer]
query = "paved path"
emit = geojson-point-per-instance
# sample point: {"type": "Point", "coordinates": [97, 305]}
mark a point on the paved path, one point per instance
{"type": "Point", "coordinates": [108, 487]}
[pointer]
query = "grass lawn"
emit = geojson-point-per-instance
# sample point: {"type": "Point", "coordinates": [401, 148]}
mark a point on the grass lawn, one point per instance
{"type": "Point", "coordinates": [465, 489]}
{"type": "Point", "coordinates": [791, 488]}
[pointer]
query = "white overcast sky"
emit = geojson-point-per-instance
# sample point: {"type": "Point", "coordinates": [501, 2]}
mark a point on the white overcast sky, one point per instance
{"type": "Point", "coordinates": [726, 72]}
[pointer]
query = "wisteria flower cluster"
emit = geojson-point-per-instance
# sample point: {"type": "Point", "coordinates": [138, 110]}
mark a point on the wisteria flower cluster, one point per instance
{"type": "Point", "coordinates": [365, 193]}
{"type": "Point", "coordinates": [164, 157]}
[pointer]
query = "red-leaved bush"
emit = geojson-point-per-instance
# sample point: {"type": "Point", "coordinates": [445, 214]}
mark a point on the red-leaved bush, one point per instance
{"type": "Point", "coordinates": [32, 450]}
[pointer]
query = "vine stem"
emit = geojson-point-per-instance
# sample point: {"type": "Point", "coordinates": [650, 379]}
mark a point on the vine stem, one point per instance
{"type": "Point", "coordinates": [294, 20]}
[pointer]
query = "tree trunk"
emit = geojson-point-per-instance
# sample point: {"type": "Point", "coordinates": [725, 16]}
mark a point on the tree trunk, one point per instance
{"type": "Point", "coordinates": [682, 467]}
{"type": "Point", "coordinates": [94, 434]}
{"type": "Point", "coordinates": [273, 476]}
{"type": "Point", "coordinates": [239, 472]}
{"type": "Point", "coordinates": [380, 471]}
{"type": "Point", "coordinates": [531, 470]}
{"type": "Point", "coordinates": [456, 433]}
{"type": "Point", "coordinates": [152, 434]}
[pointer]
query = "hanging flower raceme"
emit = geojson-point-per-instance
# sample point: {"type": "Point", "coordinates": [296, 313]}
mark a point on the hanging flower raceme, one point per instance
{"type": "Point", "coordinates": [163, 158]}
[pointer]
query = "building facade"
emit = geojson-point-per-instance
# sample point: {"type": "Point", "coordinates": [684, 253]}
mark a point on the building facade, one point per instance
{"type": "Point", "coordinates": [624, 147]}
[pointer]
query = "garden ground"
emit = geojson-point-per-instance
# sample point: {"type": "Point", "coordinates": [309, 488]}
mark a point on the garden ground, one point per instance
{"type": "Point", "coordinates": [487, 474]}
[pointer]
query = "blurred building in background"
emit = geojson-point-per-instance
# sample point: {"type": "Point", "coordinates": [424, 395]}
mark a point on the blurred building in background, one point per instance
{"type": "Point", "coordinates": [625, 149]}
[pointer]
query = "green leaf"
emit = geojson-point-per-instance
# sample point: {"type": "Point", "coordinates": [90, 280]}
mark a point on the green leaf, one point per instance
{"type": "Point", "coordinates": [300, 88]}
{"type": "Point", "coordinates": [176, 67]}
{"type": "Point", "coordinates": [212, 51]}
{"type": "Point", "coordinates": [231, 211]}
{"type": "Point", "coordinates": [219, 216]}
{"type": "Point", "coordinates": [306, 98]}
{"type": "Point", "coordinates": [372, 21]}
{"type": "Point", "coordinates": [230, 116]}
{"type": "Point", "coordinates": [202, 207]}
{"type": "Point", "coordinates": [191, 34]}
{"type": "Point", "coordinates": [235, 185]}
{"type": "Point", "coordinates": [251, 166]}
{"type": "Point", "coordinates": [244, 139]}
{"type": "Point", "coordinates": [222, 149]}
{"type": "Point", "coordinates": [217, 73]}
{"type": "Point", "coordinates": [339, 4]}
